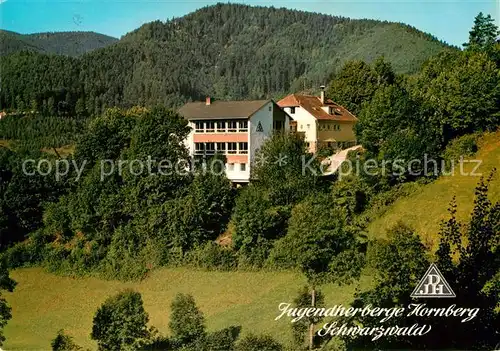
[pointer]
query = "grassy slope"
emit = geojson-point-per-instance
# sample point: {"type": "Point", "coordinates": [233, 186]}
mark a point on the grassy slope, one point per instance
{"type": "Point", "coordinates": [425, 208]}
{"type": "Point", "coordinates": [43, 303]}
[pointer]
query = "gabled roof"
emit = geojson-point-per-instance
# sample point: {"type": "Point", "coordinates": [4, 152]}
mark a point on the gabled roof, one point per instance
{"type": "Point", "coordinates": [313, 105]}
{"type": "Point", "coordinates": [221, 109]}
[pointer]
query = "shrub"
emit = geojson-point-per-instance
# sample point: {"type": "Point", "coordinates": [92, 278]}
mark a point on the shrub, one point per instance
{"type": "Point", "coordinates": [326, 151]}
{"type": "Point", "coordinates": [124, 259]}
{"type": "Point", "coordinates": [26, 253]}
{"type": "Point", "coordinates": [258, 343]}
{"type": "Point", "coordinates": [463, 146]}
{"type": "Point", "coordinates": [6, 283]}
{"type": "Point", "coordinates": [257, 224]}
{"type": "Point", "coordinates": [187, 323]}
{"type": "Point", "coordinates": [120, 322]}
{"type": "Point", "coordinates": [213, 256]}
{"type": "Point", "coordinates": [63, 342]}
{"type": "Point", "coordinates": [223, 340]}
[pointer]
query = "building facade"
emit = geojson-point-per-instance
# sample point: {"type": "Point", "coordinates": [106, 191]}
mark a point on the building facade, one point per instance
{"type": "Point", "coordinates": [236, 129]}
{"type": "Point", "coordinates": [320, 120]}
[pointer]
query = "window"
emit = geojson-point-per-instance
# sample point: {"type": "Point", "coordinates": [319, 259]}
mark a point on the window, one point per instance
{"type": "Point", "coordinates": [221, 148]}
{"type": "Point", "coordinates": [243, 148]}
{"type": "Point", "coordinates": [199, 148]}
{"type": "Point", "coordinates": [308, 126]}
{"type": "Point", "coordinates": [221, 126]}
{"type": "Point", "coordinates": [210, 148]}
{"type": "Point", "coordinates": [230, 166]}
{"type": "Point", "coordinates": [301, 127]}
{"type": "Point", "coordinates": [243, 167]}
{"type": "Point", "coordinates": [210, 127]}
{"type": "Point", "coordinates": [270, 108]}
{"type": "Point", "coordinates": [231, 148]}
{"type": "Point", "coordinates": [292, 110]}
{"type": "Point", "coordinates": [243, 126]}
{"type": "Point", "coordinates": [232, 126]}
{"type": "Point", "coordinates": [199, 127]}
{"type": "Point", "coordinates": [278, 125]}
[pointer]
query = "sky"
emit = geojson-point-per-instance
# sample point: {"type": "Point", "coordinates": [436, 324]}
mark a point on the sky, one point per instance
{"type": "Point", "coordinates": [446, 19]}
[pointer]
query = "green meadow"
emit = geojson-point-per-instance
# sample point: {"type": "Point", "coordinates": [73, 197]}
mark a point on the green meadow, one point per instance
{"type": "Point", "coordinates": [428, 205]}
{"type": "Point", "coordinates": [43, 303]}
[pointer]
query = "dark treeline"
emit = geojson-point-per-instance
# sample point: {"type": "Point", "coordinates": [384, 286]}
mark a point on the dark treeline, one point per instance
{"type": "Point", "coordinates": [61, 43]}
{"type": "Point", "coordinates": [225, 51]}
{"type": "Point", "coordinates": [39, 132]}
{"type": "Point", "coordinates": [121, 321]}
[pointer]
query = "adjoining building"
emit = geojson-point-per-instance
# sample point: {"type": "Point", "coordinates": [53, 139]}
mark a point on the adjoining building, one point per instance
{"type": "Point", "coordinates": [236, 129]}
{"type": "Point", "coordinates": [322, 121]}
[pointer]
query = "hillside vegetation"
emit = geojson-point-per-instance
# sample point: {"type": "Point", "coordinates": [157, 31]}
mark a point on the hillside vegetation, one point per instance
{"type": "Point", "coordinates": [60, 43]}
{"type": "Point", "coordinates": [427, 206]}
{"type": "Point", "coordinates": [225, 51]}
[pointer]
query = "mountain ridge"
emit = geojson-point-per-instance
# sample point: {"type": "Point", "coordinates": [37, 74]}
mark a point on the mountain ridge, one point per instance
{"type": "Point", "coordinates": [70, 43]}
{"type": "Point", "coordinates": [227, 51]}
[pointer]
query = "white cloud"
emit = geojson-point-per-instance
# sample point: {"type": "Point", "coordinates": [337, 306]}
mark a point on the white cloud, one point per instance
{"type": "Point", "coordinates": [2, 1]}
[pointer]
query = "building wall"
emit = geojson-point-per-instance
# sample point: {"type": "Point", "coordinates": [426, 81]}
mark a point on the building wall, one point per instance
{"type": "Point", "coordinates": [269, 114]}
{"type": "Point", "coordinates": [316, 134]}
{"type": "Point", "coordinates": [234, 162]}
{"type": "Point", "coordinates": [265, 117]}
{"type": "Point", "coordinates": [307, 124]}
{"type": "Point", "coordinates": [328, 133]}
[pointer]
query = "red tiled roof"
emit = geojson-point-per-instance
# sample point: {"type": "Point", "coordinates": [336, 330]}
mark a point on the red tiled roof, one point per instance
{"type": "Point", "coordinates": [313, 105]}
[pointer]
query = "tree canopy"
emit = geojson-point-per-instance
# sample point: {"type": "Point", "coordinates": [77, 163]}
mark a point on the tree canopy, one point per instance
{"type": "Point", "coordinates": [226, 51]}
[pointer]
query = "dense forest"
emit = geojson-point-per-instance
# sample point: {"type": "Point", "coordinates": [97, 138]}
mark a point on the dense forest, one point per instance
{"type": "Point", "coordinates": [122, 225]}
{"type": "Point", "coordinates": [225, 51]}
{"type": "Point", "coordinates": [60, 43]}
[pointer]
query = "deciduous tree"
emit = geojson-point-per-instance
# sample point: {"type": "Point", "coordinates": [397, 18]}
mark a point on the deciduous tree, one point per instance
{"type": "Point", "coordinates": [120, 322]}
{"type": "Point", "coordinates": [187, 322]}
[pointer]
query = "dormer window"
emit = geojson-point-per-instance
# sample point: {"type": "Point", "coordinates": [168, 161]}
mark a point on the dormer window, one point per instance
{"type": "Point", "coordinates": [334, 111]}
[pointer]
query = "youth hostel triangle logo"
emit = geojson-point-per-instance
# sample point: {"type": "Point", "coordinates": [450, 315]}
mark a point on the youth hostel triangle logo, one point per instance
{"type": "Point", "coordinates": [259, 128]}
{"type": "Point", "coordinates": [433, 284]}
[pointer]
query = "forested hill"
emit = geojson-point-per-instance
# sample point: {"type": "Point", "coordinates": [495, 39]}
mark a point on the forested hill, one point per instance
{"type": "Point", "coordinates": [226, 51]}
{"type": "Point", "coordinates": [62, 43]}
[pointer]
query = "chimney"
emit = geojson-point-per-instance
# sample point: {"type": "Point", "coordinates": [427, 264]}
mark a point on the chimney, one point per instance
{"type": "Point", "coordinates": [208, 102]}
{"type": "Point", "coordinates": [322, 98]}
